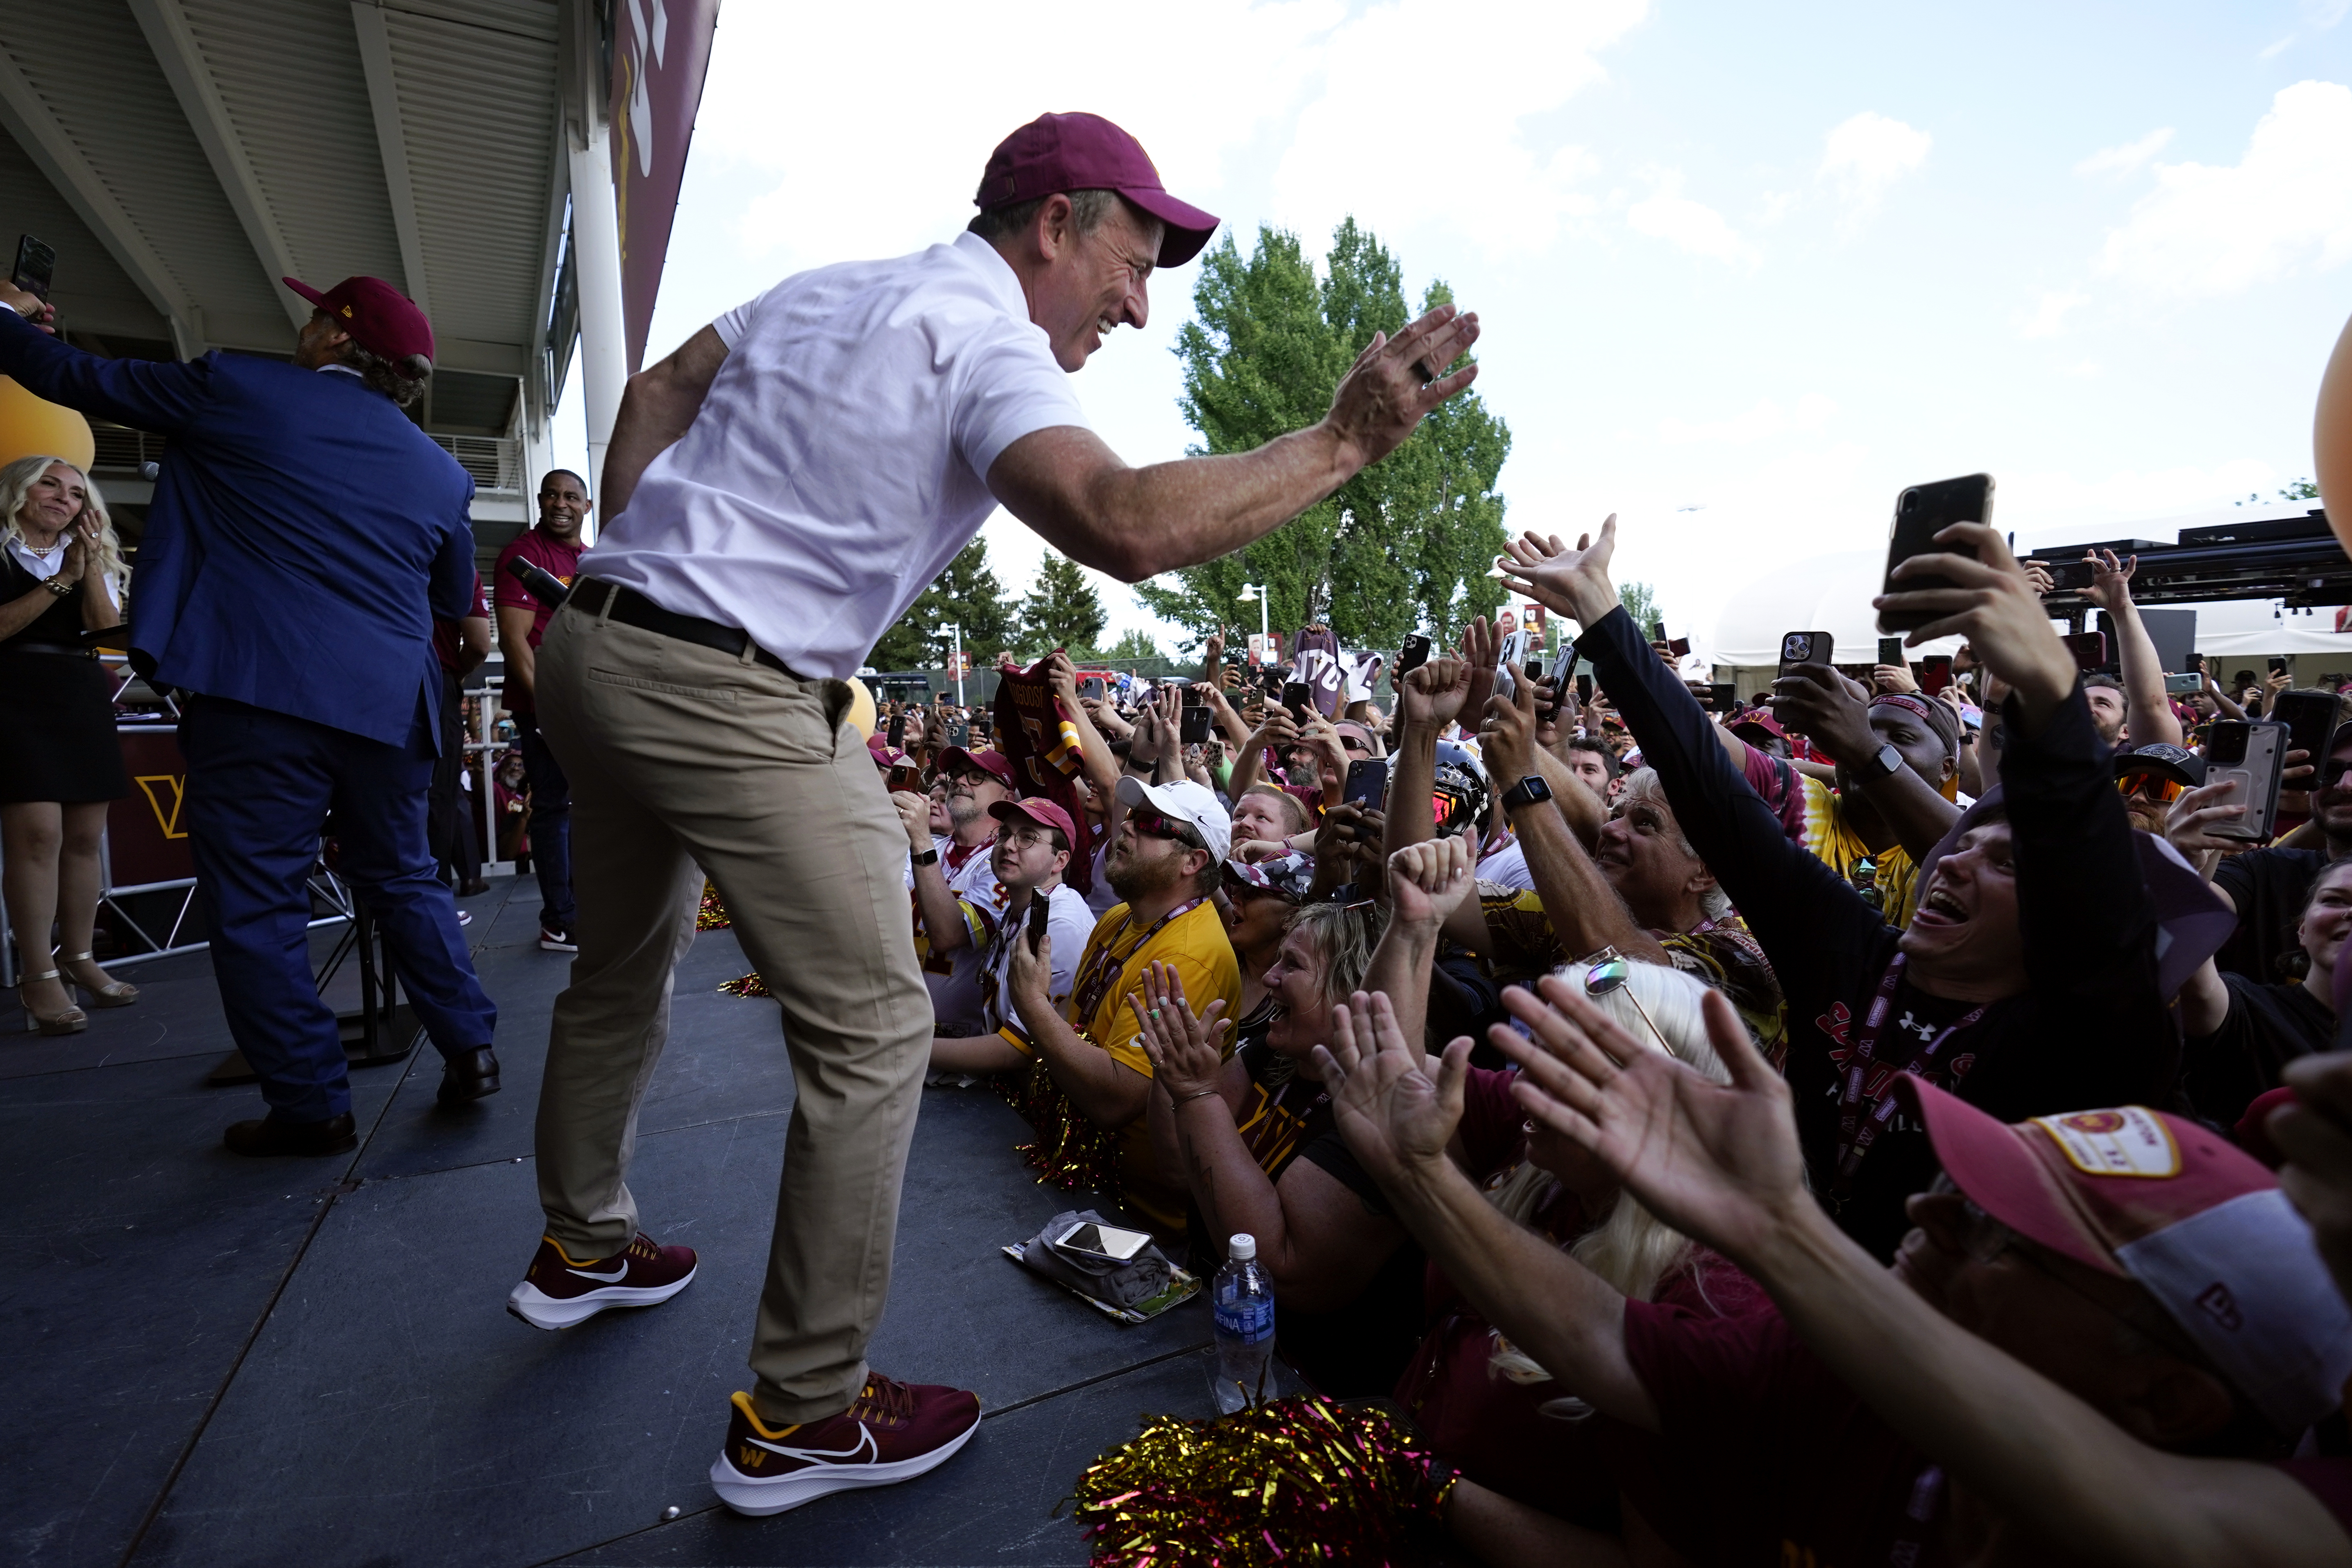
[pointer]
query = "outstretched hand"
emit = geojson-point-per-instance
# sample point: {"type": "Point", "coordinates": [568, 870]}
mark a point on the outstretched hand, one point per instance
{"type": "Point", "coordinates": [1570, 582]}
{"type": "Point", "coordinates": [1395, 381]}
{"type": "Point", "coordinates": [1718, 1162]}
{"type": "Point", "coordinates": [1393, 1113]}
{"type": "Point", "coordinates": [1992, 604]}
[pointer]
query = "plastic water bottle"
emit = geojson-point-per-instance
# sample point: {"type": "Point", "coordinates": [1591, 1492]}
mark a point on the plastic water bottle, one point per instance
{"type": "Point", "coordinates": [1243, 1299]}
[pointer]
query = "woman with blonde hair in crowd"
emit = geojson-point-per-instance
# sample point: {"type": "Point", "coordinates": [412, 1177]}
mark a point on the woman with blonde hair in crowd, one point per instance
{"type": "Point", "coordinates": [61, 573]}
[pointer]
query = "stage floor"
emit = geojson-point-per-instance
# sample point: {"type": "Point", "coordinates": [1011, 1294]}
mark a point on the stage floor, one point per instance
{"type": "Point", "coordinates": [280, 1362]}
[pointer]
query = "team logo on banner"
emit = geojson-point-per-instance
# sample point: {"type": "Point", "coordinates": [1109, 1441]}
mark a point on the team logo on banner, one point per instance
{"type": "Point", "coordinates": [165, 793]}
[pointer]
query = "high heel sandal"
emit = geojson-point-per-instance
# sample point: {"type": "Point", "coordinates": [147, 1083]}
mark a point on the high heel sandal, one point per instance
{"type": "Point", "coordinates": [113, 994]}
{"type": "Point", "coordinates": [73, 1020]}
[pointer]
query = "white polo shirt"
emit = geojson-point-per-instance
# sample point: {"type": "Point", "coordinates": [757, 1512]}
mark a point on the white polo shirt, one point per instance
{"type": "Point", "coordinates": [840, 460]}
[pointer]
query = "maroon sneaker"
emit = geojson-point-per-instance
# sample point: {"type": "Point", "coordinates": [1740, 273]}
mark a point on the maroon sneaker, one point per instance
{"type": "Point", "coordinates": [558, 1291]}
{"type": "Point", "coordinates": [894, 1432]}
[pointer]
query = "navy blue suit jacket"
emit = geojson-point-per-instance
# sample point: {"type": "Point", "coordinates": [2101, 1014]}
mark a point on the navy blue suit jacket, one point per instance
{"type": "Point", "coordinates": [303, 536]}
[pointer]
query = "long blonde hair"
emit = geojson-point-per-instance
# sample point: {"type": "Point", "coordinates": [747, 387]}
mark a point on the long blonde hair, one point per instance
{"type": "Point", "coordinates": [17, 481]}
{"type": "Point", "coordinates": [1633, 1249]}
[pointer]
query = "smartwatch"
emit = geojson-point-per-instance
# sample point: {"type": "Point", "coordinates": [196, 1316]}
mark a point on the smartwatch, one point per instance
{"type": "Point", "coordinates": [1885, 763]}
{"type": "Point", "coordinates": [1525, 792]}
{"type": "Point", "coordinates": [926, 857]}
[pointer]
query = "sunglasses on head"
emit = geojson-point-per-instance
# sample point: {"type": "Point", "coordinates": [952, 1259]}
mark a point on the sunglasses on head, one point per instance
{"type": "Point", "coordinates": [1610, 970]}
{"type": "Point", "coordinates": [2151, 787]}
{"type": "Point", "coordinates": [1153, 825]}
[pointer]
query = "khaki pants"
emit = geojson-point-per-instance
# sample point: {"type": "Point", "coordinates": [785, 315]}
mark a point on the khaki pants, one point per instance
{"type": "Point", "coordinates": [681, 757]}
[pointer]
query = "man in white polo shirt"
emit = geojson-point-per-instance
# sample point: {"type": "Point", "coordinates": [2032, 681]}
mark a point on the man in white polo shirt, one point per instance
{"type": "Point", "coordinates": [778, 491]}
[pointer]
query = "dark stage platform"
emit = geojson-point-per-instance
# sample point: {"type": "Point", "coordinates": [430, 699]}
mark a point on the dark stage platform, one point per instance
{"type": "Point", "coordinates": [223, 1361]}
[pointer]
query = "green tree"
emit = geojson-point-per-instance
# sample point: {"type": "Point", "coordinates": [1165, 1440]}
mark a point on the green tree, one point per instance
{"type": "Point", "coordinates": [1135, 645]}
{"type": "Point", "coordinates": [2296, 490]}
{"type": "Point", "coordinates": [1405, 543]}
{"type": "Point", "coordinates": [1640, 603]}
{"type": "Point", "coordinates": [966, 594]}
{"type": "Point", "coordinates": [1063, 611]}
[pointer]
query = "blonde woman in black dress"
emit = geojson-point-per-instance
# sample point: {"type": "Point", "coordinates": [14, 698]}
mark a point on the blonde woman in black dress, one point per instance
{"type": "Point", "coordinates": [61, 572]}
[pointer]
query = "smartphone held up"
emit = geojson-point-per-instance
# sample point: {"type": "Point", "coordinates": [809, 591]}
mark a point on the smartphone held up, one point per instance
{"type": "Point", "coordinates": [1921, 512]}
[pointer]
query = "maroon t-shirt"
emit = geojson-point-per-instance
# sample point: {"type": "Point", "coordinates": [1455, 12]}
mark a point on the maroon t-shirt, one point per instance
{"type": "Point", "coordinates": [551, 556]}
{"type": "Point", "coordinates": [1764, 1456]}
{"type": "Point", "coordinates": [447, 643]}
{"type": "Point", "coordinates": [1494, 1430]}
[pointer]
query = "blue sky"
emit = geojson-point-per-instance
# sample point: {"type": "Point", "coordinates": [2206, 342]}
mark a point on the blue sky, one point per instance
{"type": "Point", "coordinates": [1744, 271]}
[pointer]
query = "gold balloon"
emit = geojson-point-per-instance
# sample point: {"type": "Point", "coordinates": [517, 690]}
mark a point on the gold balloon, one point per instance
{"type": "Point", "coordinates": [30, 427]}
{"type": "Point", "coordinates": [860, 717]}
{"type": "Point", "coordinates": [2331, 439]}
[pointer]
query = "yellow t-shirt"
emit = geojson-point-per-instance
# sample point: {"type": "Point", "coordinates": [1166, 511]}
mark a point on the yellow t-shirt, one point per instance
{"type": "Point", "coordinates": [1835, 846]}
{"type": "Point", "coordinates": [1195, 946]}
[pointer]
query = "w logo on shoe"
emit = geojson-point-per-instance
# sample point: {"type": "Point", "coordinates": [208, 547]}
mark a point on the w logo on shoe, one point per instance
{"type": "Point", "coordinates": [751, 1456]}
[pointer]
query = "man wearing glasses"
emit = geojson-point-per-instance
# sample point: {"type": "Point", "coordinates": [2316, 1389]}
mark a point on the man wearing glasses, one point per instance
{"type": "Point", "coordinates": [2267, 888]}
{"type": "Point", "coordinates": [1164, 863]}
{"type": "Point", "coordinates": [958, 898]}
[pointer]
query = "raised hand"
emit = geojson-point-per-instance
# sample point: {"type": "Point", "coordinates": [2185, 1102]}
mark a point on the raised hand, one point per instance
{"type": "Point", "coordinates": [1506, 737]}
{"type": "Point", "coordinates": [1482, 650]}
{"type": "Point", "coordinates": [1434, 693]}
{"type": "Point", "coordinates": [1395, 1115]}
{"type": "Point", "coordinates": [2189, 826]}
{"type": "Point", "coordinates": [1397, 381]}
{"type": "Point", "coordinates": [1992, 604]}
{"type": "Point", "coordinates": [1718, 1162]}
{"type": "Point", "coordinates": [1428, 880]}
{"type": "Point", "coordinates": [2110, 587]}
{"type": "Point", "coordinates": [1570, 582]}
{"type": "Point", "coordinates": [915, 817]}
{"type": "Point", "coordinates": [1186, 1049]}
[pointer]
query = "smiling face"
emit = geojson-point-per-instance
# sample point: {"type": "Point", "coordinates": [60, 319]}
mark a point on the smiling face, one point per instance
{"type": "Point", "coordinates": [1296, 981]}
{"type": "Point", "coordinates": [1964, 939]}
{"type": "Point", "coordinates": [1258, 815]}
{"type": "Point", "coordinates": [562, 505]}
{"type": "Point", "coordinates": [54, 501]}
{"type": "Point", "coordinates": [1082, 288]}
{"type": "Point", "coordinates": [1640, 852]}
{"type": "Point", "coordinates": [2326, 919]}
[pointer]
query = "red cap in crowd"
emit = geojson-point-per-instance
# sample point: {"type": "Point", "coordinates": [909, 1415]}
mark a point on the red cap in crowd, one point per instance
{"type": "Point", "coordinates": [1063, 153]}
{"type": "Point", "coordinates": [2158, 1199]}
{"type": "Point", "coordinates": [993, 763]}
{"type": "Point", "coordinates": [1042, 811]}
{"type": "Point", "coordinates": [380, 317]}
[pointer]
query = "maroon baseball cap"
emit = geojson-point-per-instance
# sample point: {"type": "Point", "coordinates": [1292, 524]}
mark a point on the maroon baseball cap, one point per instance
{"type": "Point", "coordinates": [1040, 811]}
{"type": "Point", "coordinates": [1064, 152]}
{"type": "Point", "coordinates": [993, 763]}
{"type": "Point", "coordinates": [380, 317]}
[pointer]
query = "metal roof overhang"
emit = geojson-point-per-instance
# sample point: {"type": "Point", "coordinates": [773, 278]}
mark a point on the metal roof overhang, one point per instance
{"type": "Point", "coordinates": [181, 155]}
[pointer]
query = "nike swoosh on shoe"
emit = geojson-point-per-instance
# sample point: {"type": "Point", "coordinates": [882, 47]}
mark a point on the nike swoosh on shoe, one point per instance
{"type": "Point", "coordinates": [618, 1274]}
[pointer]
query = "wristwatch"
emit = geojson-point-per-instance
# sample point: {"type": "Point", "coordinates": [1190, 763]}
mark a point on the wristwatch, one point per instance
{"type": "Point", "coordinates": [1885, 763]}
{"type": "Point", "coordinates": [926, 857]}
{"type": "Point", "coordinates": [1525, 792]}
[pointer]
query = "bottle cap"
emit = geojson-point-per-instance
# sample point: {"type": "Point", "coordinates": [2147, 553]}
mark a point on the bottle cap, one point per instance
{"type": "Point", "coordinates": [1241, 1245]}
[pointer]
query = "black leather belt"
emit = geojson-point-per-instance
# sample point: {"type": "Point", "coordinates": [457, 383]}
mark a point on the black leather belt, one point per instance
{"type": "Point", "coordinates": [65, 648]}
{"type": "Point", "coordinates": [630, 608]}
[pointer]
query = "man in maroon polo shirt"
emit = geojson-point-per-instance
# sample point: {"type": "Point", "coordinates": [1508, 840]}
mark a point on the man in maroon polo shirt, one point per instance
{"type": "Point", "coordinates": [554, 546]}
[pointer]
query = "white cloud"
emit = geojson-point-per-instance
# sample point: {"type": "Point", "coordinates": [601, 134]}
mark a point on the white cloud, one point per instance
{"type": "Point", "coordinates": [2049, 314]}
{"type": "Point", "coordinates": [1810, 414]}
{"type": "Point", "coordinates": [1467, 152]}
{"type": "Point", "coordinates": [2207, 231]}
{"type": "Point", "coordinates": [1864, 156]}
{"type": "Point", "coordinates": [2123, 160]}
{"type": "Point", "coordinates": [1667, 215]}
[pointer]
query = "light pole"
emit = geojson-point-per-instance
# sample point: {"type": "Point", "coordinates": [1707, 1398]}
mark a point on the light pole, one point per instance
{"type": "Point", "coordinates": [955, 660]}
{"type": "Point", "coordinates": [1264, 634]}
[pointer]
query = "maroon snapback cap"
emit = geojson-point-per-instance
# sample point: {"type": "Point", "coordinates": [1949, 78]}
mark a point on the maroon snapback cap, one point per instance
{"type": "Point", "coordinates": [1038, 810]}
{"type": "Point", "coordinates": [380, 317]}
{"type": "Point", "coordinates": [1063, 152]}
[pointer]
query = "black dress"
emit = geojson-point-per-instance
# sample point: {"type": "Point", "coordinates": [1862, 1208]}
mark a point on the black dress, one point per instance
{"type": "Point", "coordinates": [56, 705]}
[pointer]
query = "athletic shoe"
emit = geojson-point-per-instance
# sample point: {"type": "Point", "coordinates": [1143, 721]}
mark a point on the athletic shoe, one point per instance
{"type": "Point", "coordinates": [557, 941]}
{"type": "Point", "coordinates": [558, 1291]}
{"type": "Point", "coordinates": [894, 1432]}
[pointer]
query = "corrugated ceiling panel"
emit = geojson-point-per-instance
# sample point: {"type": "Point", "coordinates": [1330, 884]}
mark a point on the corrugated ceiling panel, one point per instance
{"type": "Point", "coordinates": [478, 107]}
{"type": "Point", "coordinates": [290, 78]}
{"type": "Point", "coordinates": [90, 64]}
{"type": "Point", "coordinates": [528, 18]}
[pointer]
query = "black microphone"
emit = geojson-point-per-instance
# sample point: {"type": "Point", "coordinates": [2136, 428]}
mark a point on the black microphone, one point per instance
{"type": "Point", "coordinates": [543, 584]}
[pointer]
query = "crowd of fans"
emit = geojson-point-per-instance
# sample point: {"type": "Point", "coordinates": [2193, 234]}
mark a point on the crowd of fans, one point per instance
{"type": "Point", "coordinates": [1838, 1128]}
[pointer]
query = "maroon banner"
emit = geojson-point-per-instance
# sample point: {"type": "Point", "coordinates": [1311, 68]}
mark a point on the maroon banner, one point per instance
{"type": "Point", "coordinates": [147, 831]}
{"type": "Point", "coordinates": [660, 50]}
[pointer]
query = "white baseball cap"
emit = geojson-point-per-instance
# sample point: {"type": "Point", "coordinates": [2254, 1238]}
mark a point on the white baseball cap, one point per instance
{"type": "Point", "coordinates": [1184, 802]}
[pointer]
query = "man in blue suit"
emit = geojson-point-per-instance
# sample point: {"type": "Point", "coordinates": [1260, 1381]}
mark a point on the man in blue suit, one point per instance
{"type": "Point", "coordinates": [303, 535]}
